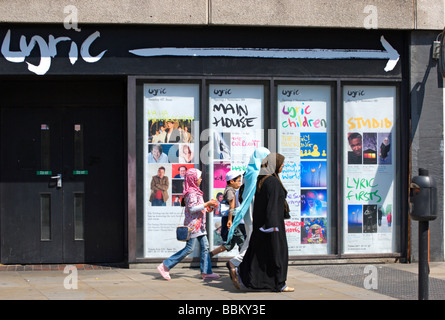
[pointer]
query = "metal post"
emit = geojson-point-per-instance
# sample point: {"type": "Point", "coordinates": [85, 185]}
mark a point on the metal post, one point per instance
{"type": "Point", "coordinates": [423, 260]}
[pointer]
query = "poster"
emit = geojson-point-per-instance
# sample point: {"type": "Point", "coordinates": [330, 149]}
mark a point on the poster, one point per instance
{"type": "Point", "coordinates": [170, 130]}
{"type": "Point", "coordinates": [302, 139]}
{"type": "Point", "coordinates": [369, 170]}
{"type": "Point", "coordinates": [236, 123]}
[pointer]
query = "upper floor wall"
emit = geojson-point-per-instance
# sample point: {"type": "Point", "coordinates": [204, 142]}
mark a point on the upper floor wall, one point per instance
{"type": "Point", "coordinates": [369, 14]}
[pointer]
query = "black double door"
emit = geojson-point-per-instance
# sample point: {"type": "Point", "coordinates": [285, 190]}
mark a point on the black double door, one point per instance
{"type": "Point", "coordinates": [62, 185]}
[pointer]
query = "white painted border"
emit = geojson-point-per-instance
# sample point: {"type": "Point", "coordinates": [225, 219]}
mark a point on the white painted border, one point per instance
{"type": "Point", "coordinates": [389, 53]}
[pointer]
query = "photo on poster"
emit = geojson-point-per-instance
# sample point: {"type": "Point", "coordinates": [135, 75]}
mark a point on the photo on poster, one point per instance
{"type": "Point", "coordinates": [160, 185]}
{"type": "Point", "coordinates": [163, 153]}
{"type": "Point", "coordinates": [177, 186]}
{"type": "Point", "coordinates": [221, 146]}
{"type": "Point", "coordinates": [384, 142]}
{"type": "Point", "coordinates": [220, 170]}
{"type": "Point", "coordinates": [158, 153]}
{"type": "Point", "coordinates": [370, 218]}
{"type": "Point", "coordinates": [179, 170]}
{"type": "Point", "coordinates": [186, 153]}
{"type": "Point", "coordinates": [355, 146]}
{"type": "Point", "coordinates": [173, 134]}
{"type": "Point", "coordinates": [313, 174]}
{"type": "Point", "coordinates": [156, 131]}
{"type": "Point", "coordinates": [217, 238]}
{"type": "Point", "coordinates": [389, 215]}
{"type": "Point", "coordinates": [314, 203]}
{"type": "Point", "coordinates": [369, 148]}
{"type": "Point", "coordinates": [176, 200]}
{"type": "Point", "coordinates": [355, 218]}
{"type": "Point", "coordinates": [313, 145]}
{"type": "Point", "coordinates": [218, 195]}
{"type": "Point", "coordinates": [384, 218]}
{"type": "Point", "coordinates": [314, 231]}
{"type": "Point", "coordinates": [172, 152]}
{"type": "Point", "coordinates": [170, 131]}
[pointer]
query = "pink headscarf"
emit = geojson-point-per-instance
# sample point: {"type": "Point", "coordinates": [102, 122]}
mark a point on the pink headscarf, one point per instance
{"type": "Point", "coordinates": [190, 182]}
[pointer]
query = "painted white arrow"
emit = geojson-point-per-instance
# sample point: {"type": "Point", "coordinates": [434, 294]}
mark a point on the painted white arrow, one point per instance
{"type": "Point", "coordinates": [389, 53]}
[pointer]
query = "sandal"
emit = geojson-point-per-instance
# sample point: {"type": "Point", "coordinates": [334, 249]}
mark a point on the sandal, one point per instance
{"type": "Point", "coordinates": [210, 276]}
{"type": "Point", "coordinates": [231, 268]}
{"type": "Point", "coordinates": [288, 289]}
{"type": "Point", "coordinates": [235, 280]}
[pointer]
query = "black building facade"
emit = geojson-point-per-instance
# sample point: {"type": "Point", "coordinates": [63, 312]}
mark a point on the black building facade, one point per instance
{"type": "Point", "coordinates": [81, 113]}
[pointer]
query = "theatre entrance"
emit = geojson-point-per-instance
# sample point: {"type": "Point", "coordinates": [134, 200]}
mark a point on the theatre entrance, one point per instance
{"type": "Point", "coordinates": [62, 185]}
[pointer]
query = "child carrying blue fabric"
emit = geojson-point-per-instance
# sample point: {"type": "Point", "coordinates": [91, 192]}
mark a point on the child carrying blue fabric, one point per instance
{"type": "Point", "coordinates": [227, 210]}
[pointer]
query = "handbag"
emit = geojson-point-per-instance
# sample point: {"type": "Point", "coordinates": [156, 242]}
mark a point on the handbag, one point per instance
{"type": "Point", "coordinates": [183, 233]}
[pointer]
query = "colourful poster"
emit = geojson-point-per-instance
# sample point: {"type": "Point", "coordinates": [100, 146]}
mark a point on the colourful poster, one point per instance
{"type": "Point", "coordinates": [369, 171]}
{"type": "Point", "coordinates": [169, 151]}
{"type": "Point", "coordinates": [302, 139]}
{"type": "Point", "coordinates": [236, 130]}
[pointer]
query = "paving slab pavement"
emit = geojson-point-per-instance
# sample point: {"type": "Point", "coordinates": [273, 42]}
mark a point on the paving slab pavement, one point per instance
{"type": "Point", "coordinates": [317, 282]}
{"type": "Point", "coordinates": [313, 282]}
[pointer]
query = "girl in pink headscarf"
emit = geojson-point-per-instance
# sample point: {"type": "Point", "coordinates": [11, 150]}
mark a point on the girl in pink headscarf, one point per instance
{"type": "Point", "coordinates": [195, 218]}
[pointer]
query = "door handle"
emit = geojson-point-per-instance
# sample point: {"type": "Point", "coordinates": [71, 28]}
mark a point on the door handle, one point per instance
{"type": "Point", "coordinates": [59, 180]}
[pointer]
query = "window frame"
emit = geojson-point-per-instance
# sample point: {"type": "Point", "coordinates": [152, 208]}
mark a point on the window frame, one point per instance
{"type": "Point", "coordinates": [270, 121]}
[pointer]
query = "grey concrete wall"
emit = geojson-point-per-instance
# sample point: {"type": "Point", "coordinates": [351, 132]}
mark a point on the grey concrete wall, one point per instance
{"type": "Point", "coordinates": [427, 149]}
{"type": "Point", "coordinates": [309, 13]}
{"type": "Point", "coordinates": [189, 12]}
{"type": "Point", "coordinates": [430, 14]}
{"type": "Point", "coordinates": [382, 14]}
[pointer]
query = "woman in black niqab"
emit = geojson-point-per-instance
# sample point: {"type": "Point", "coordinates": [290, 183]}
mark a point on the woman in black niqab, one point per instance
{"type": "Point", "coordinates": [265, 263]}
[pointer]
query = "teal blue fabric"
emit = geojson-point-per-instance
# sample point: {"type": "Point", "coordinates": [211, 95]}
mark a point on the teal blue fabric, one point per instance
{"type": "Point", "coordinates": [249, 180]}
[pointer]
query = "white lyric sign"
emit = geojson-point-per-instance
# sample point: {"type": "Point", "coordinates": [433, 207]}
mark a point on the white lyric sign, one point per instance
{"type": "Point", "coordinates": [48, 50]}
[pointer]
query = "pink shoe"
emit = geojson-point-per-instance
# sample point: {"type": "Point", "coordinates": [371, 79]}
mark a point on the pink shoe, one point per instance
{"type": "Point", "coordinates": [163, 271]}
{"type": "Point", "coordinates": [210, 276]}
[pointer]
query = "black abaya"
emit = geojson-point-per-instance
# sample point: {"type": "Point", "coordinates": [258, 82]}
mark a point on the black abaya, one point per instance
{"type": "Point", "coordinates": [265, 263]}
